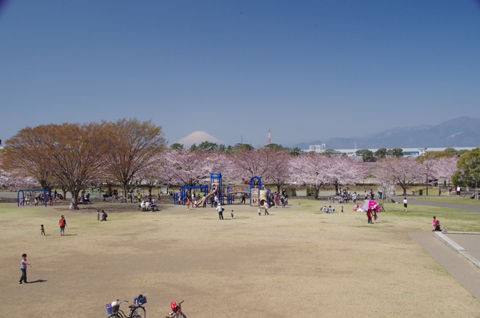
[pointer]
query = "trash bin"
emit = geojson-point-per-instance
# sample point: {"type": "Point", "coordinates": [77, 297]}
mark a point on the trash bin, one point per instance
{"type": "Point", "coordinates": [420, 192]}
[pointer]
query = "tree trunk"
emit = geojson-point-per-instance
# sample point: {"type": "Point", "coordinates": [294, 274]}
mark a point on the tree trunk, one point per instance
{"type": "Point", "coordinates": [317, 192]}
{"type": "Point", "coordinates": [125, 190]}
{"type": "Point", "coordinates": [73, 204]}
{"type": "Point", "coordinates": [74, 200]}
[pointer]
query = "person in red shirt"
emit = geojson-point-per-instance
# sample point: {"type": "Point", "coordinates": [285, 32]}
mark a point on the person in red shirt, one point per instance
{"type": "Point", "coordinates": [62, 223]}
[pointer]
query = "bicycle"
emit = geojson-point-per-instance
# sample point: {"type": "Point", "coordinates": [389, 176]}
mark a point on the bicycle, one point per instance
{"type": "Point", "coordinates": [176, 310]}
{"type": "Point", "coordinates": [136, 309]}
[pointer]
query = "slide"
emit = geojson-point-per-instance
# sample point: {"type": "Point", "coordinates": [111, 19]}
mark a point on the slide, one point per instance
{"type": "Point", "coordinates": [203, 199]}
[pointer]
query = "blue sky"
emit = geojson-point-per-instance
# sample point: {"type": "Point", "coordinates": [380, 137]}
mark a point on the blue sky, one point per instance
{"type": "Point", "coordinates": [308, 70]}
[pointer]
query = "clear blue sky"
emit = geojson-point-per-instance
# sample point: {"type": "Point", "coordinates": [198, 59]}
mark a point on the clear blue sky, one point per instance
{"type": "Point", "coordinates": [306, 69]}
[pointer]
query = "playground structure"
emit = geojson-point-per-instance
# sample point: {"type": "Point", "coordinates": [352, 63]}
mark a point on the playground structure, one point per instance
{"type": "Point", "coordinates": [28, 197]}
{"type": "Point", "coordinates": [258, 194]}
{"type": "Point", "coordinates": [216, 188]}
{"type": "Point", "coordinates": [225, 194]}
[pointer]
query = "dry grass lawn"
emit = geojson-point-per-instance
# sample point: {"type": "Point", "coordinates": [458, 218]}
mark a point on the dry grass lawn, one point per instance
{"type": "Point", "coordinates": [295, 262]}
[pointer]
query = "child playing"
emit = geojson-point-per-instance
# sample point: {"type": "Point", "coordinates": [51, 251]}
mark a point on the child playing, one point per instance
{"type": "Point", "coordinates": [42, 229]}
{"type": "Point", "coordinates": [23, 268]}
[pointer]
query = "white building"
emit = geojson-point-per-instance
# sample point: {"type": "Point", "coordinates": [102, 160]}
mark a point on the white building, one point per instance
{"type": "Point", "coordinates": [407, 152]}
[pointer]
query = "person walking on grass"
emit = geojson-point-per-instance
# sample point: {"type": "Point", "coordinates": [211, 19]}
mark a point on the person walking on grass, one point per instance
{"type": "Point", "coordinates": [23, 268]}
{"type": "Point", "coordinates": [405, 204]}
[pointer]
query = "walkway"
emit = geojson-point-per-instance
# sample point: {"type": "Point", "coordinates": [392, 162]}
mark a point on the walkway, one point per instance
{"type": "Point", "coordinates": [462, 269]}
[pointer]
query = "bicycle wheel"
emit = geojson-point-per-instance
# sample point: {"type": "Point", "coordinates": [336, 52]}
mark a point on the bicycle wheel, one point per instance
{"type": "Point", "coordinates": [138, 312]}
{"type": "Point", "coordinates": [115, 316]}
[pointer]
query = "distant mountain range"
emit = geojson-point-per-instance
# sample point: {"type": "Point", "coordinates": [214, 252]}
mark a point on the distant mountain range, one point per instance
{"type": "Point", "coordinates": [458, 132]}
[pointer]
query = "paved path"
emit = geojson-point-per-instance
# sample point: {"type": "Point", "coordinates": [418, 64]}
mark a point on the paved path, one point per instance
{"type": "Point", "coordinates": [464, 271]}
{"type": "Point", "coordinates": [472, 207]}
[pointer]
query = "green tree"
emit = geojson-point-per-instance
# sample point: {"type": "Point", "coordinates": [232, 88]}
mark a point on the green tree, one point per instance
{"type": "Point", "coordinates": [193, 147]}
{"type": "Point", "coordinates": [207, 146]}
{"type": "Point", "coordinates": [367, 155]}
{"type": "Point", "coordinates": [295, 151]}
{"type": "Point", "coordinates": [396, 152]}
{"type": "Point", "coordinates": [381, 153]}
{"type": "Point", "coordinates": [468, 173]}
{"type": "Point", "coordinates": [243, 147]}
{"type": "Point", "coordinates": [176, 146]}
{"type": "Point", "coordinates": [275, 146]}
{"type": "Point", "coordinates": [330, 152]}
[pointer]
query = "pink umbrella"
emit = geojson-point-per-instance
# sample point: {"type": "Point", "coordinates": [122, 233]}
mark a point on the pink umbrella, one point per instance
{"type": "Point", "coordinates": [370, 205]}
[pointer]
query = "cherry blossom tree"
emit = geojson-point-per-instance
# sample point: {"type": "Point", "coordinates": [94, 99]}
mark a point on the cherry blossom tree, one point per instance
{"type": "Point", "coordinates": [403, 171]}
{"type": "Point", "coordinates": [251, 163]}
{"type": "Point", "coordinates": [444, 168]}
{"type": "Point", "coordinates": [278, 163]}
{"type": "Point", "coordinates": [183, 167]}
{"type": "Point", "coordinates": [345, 170]}
{"type": "Point", "coordinates": [310, 169]}
{"type": "Point", "coordinates": [13, 180]}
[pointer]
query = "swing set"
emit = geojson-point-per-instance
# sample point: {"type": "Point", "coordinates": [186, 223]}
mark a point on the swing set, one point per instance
{"type": "Point", "coordinates": [28, 196]}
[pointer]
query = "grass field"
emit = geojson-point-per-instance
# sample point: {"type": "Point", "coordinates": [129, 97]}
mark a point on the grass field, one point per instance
{"type": "Point", "coordinates": [295, 262]}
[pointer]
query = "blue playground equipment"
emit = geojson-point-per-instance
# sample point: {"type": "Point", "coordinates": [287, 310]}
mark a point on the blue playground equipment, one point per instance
{"type": "Point", "coordinates": [216, 188]}
{"type": "Point", "coordinates": [186, 190]}
{"type": "Point", "coordinates": [216, 185]}
{"type": "Point", "coordinates": [255, 187]}
{"type": "Point", "coordinates": [24, 196]}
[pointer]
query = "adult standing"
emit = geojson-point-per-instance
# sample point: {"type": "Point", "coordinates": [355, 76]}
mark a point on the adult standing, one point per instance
{"type": "Point", "coordinates": [220, 211]}
{"type": "Point", "coordinates": [23, 268]}
{"type": "Point", "coordinates": [265, 206]}
{"type": "Point", "coordinates": [62, 223]}
{"type": "Point", "coordinates": [405, 204]}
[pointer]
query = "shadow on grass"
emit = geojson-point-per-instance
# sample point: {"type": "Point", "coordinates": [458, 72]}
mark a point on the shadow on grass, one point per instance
{"type": "Point", "coordinates": [37, 281]}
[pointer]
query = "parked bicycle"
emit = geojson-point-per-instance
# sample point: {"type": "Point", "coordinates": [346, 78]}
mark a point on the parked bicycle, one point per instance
{"type": "Point", "coordinates": [176, 310]}
{"type": "Point", "coordinates": [136, 309]}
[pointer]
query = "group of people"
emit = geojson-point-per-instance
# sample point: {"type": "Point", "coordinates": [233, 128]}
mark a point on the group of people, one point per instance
{"type": "Point", "coordinates": [220, 209]}
{"type": "Point", "coordinates": [327, 209]}
{"type": "Point", "coordinates": [41, 198]}
{"type": "Point", "coordinates": [101, 215]}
